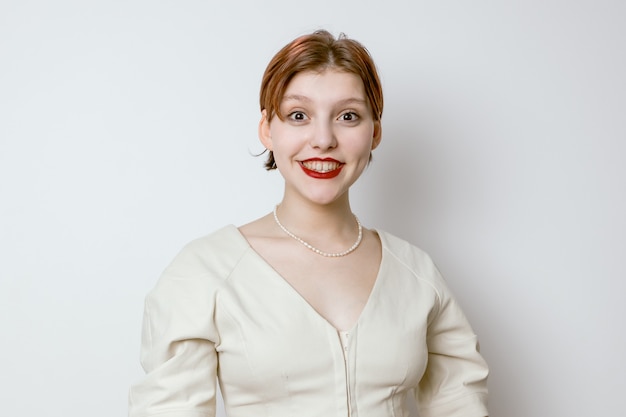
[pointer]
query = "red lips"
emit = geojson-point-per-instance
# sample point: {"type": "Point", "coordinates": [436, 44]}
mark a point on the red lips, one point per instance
{"type": "Point", "coordinates": [325, 168]}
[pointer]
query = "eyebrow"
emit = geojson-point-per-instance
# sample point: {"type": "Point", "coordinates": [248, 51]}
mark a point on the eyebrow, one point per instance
{"type": "Point", "coordinates": [298, 97]}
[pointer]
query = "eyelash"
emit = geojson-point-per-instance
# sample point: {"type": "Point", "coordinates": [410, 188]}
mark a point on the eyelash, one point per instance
{"type": "Point", "coordinates": [292, 115]}
{"type": "Point", "coordinates": [354, 115]}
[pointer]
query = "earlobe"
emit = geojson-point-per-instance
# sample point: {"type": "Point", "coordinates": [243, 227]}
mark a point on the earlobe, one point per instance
{"type": "Point", "coordinates": [264, 131]}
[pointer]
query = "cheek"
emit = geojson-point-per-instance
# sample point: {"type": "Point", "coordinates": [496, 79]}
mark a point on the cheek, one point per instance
{"type": "Point", "coordinates": [288, 137]}
{"type": "Point", "coordinates": [276, 139]}
{"type": "Point", "coordinates": [361, 142]}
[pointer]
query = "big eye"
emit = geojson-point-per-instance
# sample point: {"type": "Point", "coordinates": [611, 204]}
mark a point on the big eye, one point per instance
{"type": "Point", "coordinates": [297, 116]}
{"type": "Point", "coordinates": [349, 116]}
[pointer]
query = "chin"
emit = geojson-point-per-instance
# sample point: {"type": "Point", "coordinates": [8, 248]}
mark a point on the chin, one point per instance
{"type": "Point", "coordinates": [324, 199]}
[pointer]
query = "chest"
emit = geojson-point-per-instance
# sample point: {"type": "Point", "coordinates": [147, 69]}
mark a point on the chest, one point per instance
{"type": "Point", "coordinates": [273, 341]}
{"type": "Point", "coordinates": [336, 288]}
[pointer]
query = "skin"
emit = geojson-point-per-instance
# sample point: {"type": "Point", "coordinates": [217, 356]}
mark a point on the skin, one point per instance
{"type": "Point", "coordinates": [326, 116]}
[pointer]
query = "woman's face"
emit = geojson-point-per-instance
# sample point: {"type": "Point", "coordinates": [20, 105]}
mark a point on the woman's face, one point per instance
{"type": "Point", "coordinates": [323, 144]}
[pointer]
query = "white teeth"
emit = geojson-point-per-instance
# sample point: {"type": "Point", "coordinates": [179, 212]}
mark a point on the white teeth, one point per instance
{"type": "Point", "coordinates": [321, 166]}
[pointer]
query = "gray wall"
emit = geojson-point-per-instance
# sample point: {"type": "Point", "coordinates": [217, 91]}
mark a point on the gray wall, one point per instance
{"type": "Point", "coordinates": [127, 128]}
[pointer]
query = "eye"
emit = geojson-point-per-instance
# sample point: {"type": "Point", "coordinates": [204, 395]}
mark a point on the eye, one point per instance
{"type": "Point", "coordinates": [297, 116]}
{"type": "Point", "coordinates": [349, 116]}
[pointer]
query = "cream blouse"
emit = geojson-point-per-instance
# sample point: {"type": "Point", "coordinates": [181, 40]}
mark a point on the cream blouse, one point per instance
{"type": "Point", "coordinates": [221, 313]}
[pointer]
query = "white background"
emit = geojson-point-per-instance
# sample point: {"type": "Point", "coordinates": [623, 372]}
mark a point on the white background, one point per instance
{"type": "Point", "coordinates": [127, 128]}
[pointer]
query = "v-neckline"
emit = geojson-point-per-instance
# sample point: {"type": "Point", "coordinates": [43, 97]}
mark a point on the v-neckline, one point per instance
{"type": "Point", "coordinates": [303, 300]}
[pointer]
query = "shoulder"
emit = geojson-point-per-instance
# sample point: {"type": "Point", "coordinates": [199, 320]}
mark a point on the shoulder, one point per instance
{"type": "Point", "coordinates": [413, 259]}
{"type": "Point", "coordinates": [402, 248]}
{"type": "Point", "coordinates": [412, 256]}
{"type": "Point", "coordinates": [193, 279]}
{"type": "Point", "coordinates": [212, 255]}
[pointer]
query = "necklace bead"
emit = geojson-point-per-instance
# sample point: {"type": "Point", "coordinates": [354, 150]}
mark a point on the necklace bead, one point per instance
{"type": "Point", "coordinates": [314, 249]}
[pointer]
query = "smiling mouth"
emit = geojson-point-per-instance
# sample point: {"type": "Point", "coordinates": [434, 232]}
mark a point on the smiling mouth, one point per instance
{"type": "Point", "coordinates": [321, 166]}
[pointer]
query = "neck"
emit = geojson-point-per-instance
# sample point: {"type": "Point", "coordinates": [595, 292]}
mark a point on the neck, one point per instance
{"type": "Point", "coordinates": [348, 251]}
{"type": "Point", "coordinates": [318, 218]}
{"type": "Point", "coordinates": [331, 226]}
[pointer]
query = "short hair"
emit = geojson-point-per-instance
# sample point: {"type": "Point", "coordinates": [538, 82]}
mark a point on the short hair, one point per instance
{"type": "Point", "coordinates": [318, 51]}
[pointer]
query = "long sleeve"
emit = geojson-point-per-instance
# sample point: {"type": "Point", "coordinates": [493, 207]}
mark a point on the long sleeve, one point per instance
{"type": "Point", "coordinates": [178, 346]}
{"type": "Point", "coordinates": [455, 381]}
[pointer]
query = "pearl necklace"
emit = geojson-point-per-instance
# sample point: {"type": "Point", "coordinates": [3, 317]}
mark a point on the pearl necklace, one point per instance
{"type": "Point", "coordinates": [319, 252]}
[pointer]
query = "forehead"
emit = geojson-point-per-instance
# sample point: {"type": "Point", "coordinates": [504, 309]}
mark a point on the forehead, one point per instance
{"type": "Point", "coordinates": [328, 85]}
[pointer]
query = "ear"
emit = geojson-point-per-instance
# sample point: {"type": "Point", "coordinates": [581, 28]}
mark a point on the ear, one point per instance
{"type": "Point", "coordinates": [264, 131]}
{"type": "Point", "coordinates": [378, 134]}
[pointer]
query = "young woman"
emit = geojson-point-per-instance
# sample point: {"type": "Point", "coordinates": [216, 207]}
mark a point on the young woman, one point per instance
{"type": "Point", "coordinates": [304, 312]}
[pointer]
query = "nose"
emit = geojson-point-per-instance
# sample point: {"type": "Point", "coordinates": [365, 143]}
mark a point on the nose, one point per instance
{"type": "Point", "coordinates": [323, 136]}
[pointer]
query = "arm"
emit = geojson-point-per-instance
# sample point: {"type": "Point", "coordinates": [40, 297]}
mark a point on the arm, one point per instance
{"type": "Point", "coordinates": [178, 350]}
{"type": "Point", "coordinates": [455, 381]}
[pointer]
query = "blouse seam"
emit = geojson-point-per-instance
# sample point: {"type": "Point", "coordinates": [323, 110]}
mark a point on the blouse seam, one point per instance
{"type": "Point", "coordinates": [418, 276]}
{"type": "Point", "coordinates": [239, 330]}
{"type": "Point", "coordinates": [223, 283]}
{"type": "Point", "coordinates": [237, 262]}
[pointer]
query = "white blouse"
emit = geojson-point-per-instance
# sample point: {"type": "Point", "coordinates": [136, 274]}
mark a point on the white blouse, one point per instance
{"type": "Point", "coordinates": [221, 313]}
